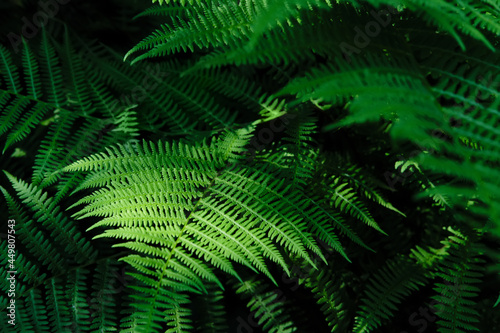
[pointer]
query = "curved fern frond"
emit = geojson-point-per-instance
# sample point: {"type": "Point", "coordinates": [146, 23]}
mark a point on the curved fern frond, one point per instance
{"type": "Point", "coordinates": [241, 211]}
{"type": "Point", "coordinates": [207, 24]}
{"type": "Point", "coordinates": [199, 170]}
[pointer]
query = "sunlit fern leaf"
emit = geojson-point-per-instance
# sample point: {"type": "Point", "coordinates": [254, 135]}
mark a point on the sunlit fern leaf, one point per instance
{"type": "Point", "coordinates": [175, 204]}
{"type": "Point", "coordinates": [232, 145]}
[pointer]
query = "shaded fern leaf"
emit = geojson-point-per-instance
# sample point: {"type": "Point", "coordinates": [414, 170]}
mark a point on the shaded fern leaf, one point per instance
{"type": "Point", "coordinates": [365, 184]}
{"type": "Point", "coordinates": [460, 272]}
{"type": "Point", "coordinates": [207, 24]}
{"type": "Point", "coordinates": [388, 286]}
{"type": "Point", "coordinates": [211, 311]}
{"type": "Point", "coordinates": [329, 291]}
{"type": "Point", "coordinates": [104, 290]}
{"type": "Point", "coordinates": [47, 213]}
{"type": "Point", "coordinates": [33, 238]}
{"type": "Point", "coordinates": [297, 155]}
{"type": "Point", "coordinates": [57, 305]}
{"type": "Point", "coordinates": [267, 306]}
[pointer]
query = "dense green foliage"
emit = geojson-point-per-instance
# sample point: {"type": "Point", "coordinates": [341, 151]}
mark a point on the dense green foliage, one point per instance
{"type": "Point", "coordinates": [250, 166]}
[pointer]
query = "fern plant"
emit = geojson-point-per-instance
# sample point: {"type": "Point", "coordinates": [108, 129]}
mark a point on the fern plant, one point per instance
{"type": "Point", "coordinates": [286, 166]}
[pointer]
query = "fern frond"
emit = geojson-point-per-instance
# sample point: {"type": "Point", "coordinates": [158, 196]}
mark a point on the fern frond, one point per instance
{"type": "Point", "coordinates": [201, 209]}
{"type": "Point", "coordinates": [328, 290]}
{"type": "Point", "coordinates": [359, 179]}
{"type": "Point", "coordinates": [74, 69]}
{"type": "Point", "coordinates": [206, 25]}
{"type": "Point", "coordinates": [157, 300]}
{"type": "Point", "coordinates": [469, 16]}
{"type": "Point", "coordinates": [294, 43]}
{"type": "Point", "coordinates": [31, 73]}
{"type": "Point", "coordinates": [163, 10]}
{"type": "Point", "coordinates": [178, 315]}
{"type": "Point", "coordinates": [271, 15]}
{"type": "Point", "coordinates": [58, 308]}
{"type": "Point", "coordinates": [10, 73]}
{"type": "Point", "coordinates": [296, 155]}
{"type": "Point", "coordinates": [345, 199]}
{"type": "Point", "coordinates": [232, 144]}
{"type": "Point", "coordinates": [266, 305]}
{"type": "Point", "coordinates": [460, 271]}
{"type": "Point", "coordinates": [52, 77]}
{"type": "Point", "coordinates": [389, 285]}
{"type": "Point", "coordinates": [103, 311]}
{"type": "Point", "coordinates": [36, 311]}
{"type": "Point", "coordinates": [43, 78]}
{"type": "Point", "coordinates": [33, 238]}
{"type": "Point", "coordinates": [211, 311]}
{"type": "Point", "coordinates": [51, 156]}
{"type": "Point", "coordinates": [48, 214]}
{"type": "Point", "coordinates": [76, 291]}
